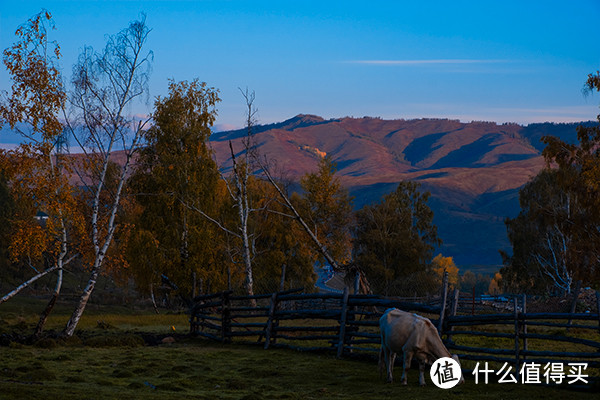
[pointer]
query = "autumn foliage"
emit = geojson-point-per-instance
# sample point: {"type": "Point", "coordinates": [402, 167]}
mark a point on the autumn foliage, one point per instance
{"type": "Point", "coordinates": [168, 212]}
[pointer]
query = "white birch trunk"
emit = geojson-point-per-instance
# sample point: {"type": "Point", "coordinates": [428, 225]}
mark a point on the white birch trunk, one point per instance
{"type": "Point", "coordinates": [101, 251]}
{"type": "Point", "coordinates": [24, 285]}
{"type": "Point", "coordinates": [119, 68]}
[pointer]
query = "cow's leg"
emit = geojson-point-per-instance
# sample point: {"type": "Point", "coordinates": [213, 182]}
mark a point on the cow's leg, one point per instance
{"type": "Point", "coordinates": [392, 360]}
{"type": "Point", "coordinates": [389, 364]}
{"type": "Point", "coordinates": [385, 355]}
{"type": "Point", "coordinates": [421, 373]}
{"type": "Point", "coordinates": [381, 362]}
{"type": "Point", "coordinates": [406, 366]}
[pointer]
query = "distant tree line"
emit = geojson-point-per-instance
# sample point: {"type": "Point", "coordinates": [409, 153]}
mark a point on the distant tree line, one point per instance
{"type": "Point", "coordinates": [556, 236]}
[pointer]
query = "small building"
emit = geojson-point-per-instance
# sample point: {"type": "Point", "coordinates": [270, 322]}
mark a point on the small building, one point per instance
{"type": "Point", "coordinates": [41, 218]}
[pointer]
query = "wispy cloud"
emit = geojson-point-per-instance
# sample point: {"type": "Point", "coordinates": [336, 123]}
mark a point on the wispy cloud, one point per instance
{"type": "Point", "coordinates": [426, 62]}
{"type": "Point", "coordinates": [521, 115]}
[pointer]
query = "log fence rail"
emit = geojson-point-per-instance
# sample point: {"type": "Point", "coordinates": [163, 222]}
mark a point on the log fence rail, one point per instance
{"type": "Point", "coordinates": [348, 324]}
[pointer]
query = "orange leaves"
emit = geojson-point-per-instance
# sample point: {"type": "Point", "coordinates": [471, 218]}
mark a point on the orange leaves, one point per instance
{"type": "Point", "coordinates": [38, 184]}
{"type": "Point", "coordinates": [37, 178]}
{"type": "Point", "coordinates": [329, 208]}
{"type": "Point", "coordinates": [27, 241]}
{"type": "Point", "coordinates": [495, 287]}
{"type": "Point", "coordinates": [37, 94]}
{"type": "Point", "coordinates": [443, 264]}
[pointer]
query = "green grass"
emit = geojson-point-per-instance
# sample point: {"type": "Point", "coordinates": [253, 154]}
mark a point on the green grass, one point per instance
{"type": "Point", "coordinates": [108, 360]}
{"type": "Point", "coordinates": [22, 315]}
{"type": "Point", "coordinates": [201, 369]}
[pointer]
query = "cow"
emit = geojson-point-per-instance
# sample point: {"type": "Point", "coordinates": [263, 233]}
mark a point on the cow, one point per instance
{"type": "Point", "coordinates": [414, 336]}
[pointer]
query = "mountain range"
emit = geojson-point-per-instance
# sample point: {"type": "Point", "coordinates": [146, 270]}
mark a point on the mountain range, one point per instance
{"type": "Point", "coordinates": [473, 170]}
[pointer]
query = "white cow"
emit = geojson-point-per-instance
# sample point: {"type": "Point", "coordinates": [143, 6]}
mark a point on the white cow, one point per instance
{"type": "Point", "coordinates": [414, 336]}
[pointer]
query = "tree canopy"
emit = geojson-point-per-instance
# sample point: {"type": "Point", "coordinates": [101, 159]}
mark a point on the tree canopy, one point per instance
{"type": "Point", "coordinates": [395, 239]}
{"type": "Point", "coordinates": [443, 264]}
{"type": "Point", "coordinates": [175, 169]}
{"type": "Point", "coordinates": [328, 207]}
{"type": "Point", "coordinates": [556, 236]}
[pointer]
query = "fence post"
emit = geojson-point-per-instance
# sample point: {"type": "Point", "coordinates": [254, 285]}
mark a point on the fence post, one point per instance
{"type": "Point", "coordinates": [282, 280]}
{"type": "Point", "coordinates": [524, 311]}
{"type": "Point", "coordinates": [453, 311]}
{"type": "Point", "coordinates": [443, 304]}
{"type": "Point", "coordinates": [225, 318]}
{"type": "Point", "coordinates": [357, 282]}
{"type": "Point", "coordinates": [193, 319]}
{"type": "Point", "coordinates": [269, 328]}
{"type": "Point", "coordinates": [193, 284]}
{"type": "Point", "coordinates": [516, 313]}
{"type": "Point", "coordinates": [574, 302]}
{"type": "Point", "coordinates": [342, 338]}
{"type": "Point", "coordinates": [598, 308]}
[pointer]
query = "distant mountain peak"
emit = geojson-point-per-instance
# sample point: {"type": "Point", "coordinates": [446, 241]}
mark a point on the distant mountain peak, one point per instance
{"type": "Point", "coordinates": [301, 121]}
{"type": "Point", "coordinates": [309, 118]}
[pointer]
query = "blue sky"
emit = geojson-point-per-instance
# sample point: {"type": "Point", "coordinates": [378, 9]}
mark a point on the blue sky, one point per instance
{"type": "Point", "coordinates": [510, 61]}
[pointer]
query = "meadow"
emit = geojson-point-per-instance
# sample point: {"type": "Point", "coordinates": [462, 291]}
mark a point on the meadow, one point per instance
{"type": "Point", "coordinates": [117, 354]}
{"type": "Point", "coordinates": [202, 370]}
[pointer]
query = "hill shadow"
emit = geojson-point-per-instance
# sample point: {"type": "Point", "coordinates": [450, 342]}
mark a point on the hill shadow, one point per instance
{"type": "Point", "coordinates": [468, 155]}
{"type": "Point", "coordinates": [431, 175]}
{"type": "Point", "coordinates": [420, 148]}
{"type": "Point", "coordinates": [567, 132]}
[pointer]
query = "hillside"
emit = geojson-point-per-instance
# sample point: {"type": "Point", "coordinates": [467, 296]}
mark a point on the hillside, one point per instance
{"type": "Point", "coordinates": [473, 170]}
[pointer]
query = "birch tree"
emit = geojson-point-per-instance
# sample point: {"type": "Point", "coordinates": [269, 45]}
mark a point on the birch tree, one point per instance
{"type": "Point", "coordinates": [248, 166]}
{"type": "Point", "coordinates": [36, 172]}
{"type": "Point", "coordinates": [238, 188]}
{"type": "Point", "coordinates": [252, 203]}
{"type": "Point", "coordinates": [106, 84]}
{"type": "Point", "coordinates": [556, 237]}
{"type": "Point", "coordinates": [241, 174]}
{"type": "Point", "coordinates": [350, 269]}
{"type": "Point", "coordinates": [552, 257]}
{"type": "Point", "coordinates": [285, 256]}
{"type": "Point", "coordinates": [328, 207]}
{"type": "Point", "coordinates": [7, 206]}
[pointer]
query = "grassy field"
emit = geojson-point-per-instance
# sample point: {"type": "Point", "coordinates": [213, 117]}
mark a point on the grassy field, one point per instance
{"type": "Point", "coordinates": [202, 370]}
{"type": "Point", "coordinates": [109, 360]}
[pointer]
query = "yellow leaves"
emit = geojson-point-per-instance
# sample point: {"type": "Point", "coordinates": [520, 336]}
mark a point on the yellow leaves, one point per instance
{"type": "Point", "coordinates": [28, 240]}
{"type": "Point", "coordinates": [37, 184]}
{"type": "Point", "coordinates": [443, 264]}
{"type": "Point", "coordinates": [495, 284]}
{"type": "Point", "coordinates": [37, 94]}
{"type": "Point", "coordinates": [329, 208]}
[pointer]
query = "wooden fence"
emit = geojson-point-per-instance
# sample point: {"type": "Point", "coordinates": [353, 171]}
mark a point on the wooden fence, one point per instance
{"type": "Point", "coordinates": [514, 327]}
{"type": "Point", "coordinates": [338, 321]}
{"type": "Point", "coordinates": [349, 324]}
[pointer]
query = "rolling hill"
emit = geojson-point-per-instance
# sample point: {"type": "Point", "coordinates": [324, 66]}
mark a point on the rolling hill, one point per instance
{"type": "Point", "coordinates": [473, 170]}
